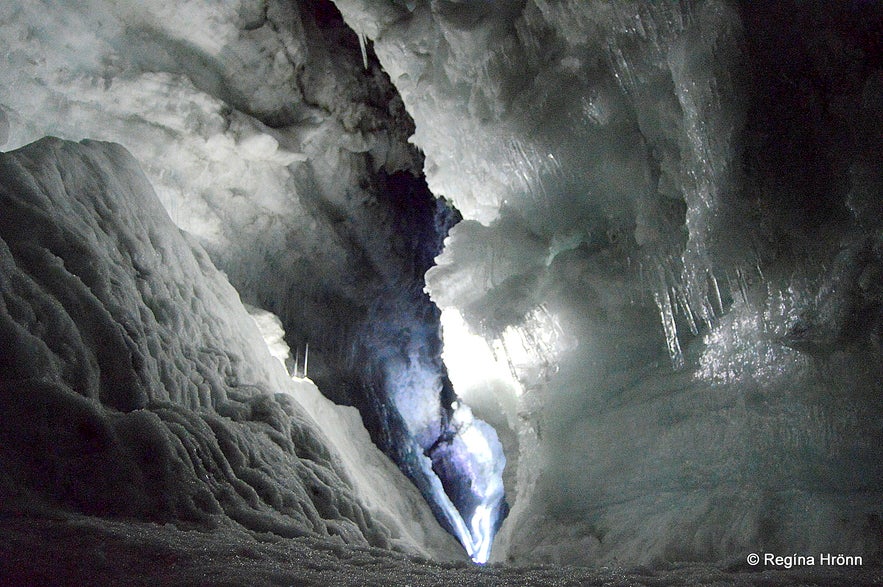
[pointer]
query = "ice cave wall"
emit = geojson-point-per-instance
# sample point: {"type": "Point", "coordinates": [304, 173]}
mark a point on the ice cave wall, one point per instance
{"type": "Point", "coordinates": [672, 254]}
{"type": "Point", "coordinates": [135, 385]}
{"type": "Point", "coordinates": [270, 140]}
{"type": "Point", "coordinates": [670, 264]}
{"type": "Point", "coordinates": [259, 128]}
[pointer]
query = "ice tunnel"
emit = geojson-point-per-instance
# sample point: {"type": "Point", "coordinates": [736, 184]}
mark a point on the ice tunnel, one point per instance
{"type": "Point", "coordinates": [590, 292]}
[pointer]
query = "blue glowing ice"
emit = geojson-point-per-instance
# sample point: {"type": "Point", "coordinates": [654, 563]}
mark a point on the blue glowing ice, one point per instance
{"type": "Point", "coordinates": [474, 451]}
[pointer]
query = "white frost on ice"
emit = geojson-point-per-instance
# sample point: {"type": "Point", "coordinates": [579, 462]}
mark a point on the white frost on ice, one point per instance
{"type": "Point", "coordinates": [272, 332]}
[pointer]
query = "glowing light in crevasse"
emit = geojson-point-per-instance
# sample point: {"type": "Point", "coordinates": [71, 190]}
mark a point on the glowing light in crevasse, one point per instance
{"type": "Point", "coordinates": [473, 366]}
{"type": "Point", "coordinates": [523, 355]}
{"type": "Point", "coordinates": [492, 375]}
{"type": "Point", "coordinates": [450, 511]}
{"type": "Point", "coordinates": [479, 446]}
{"type": "Point", "coordinates": [482, 527]}
{"type": "Point", "coordinates": [478, 376]}
{"type": "Point", "coordinates": [534, 347]}
{"type": "Point", "coordinates": [476, 445]}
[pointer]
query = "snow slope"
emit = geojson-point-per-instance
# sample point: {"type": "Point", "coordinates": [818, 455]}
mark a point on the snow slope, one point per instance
{"type": "Point", "coordinates": [136, 385]}
{"type": "Point", "coordinates": [267, 139]}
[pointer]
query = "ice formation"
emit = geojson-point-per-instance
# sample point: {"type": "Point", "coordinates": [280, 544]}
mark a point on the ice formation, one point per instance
{"type": "Point", "coordinates": [147, 389]}
{"type": "Point", "coordinates": [272, 140]}
{"type": "Point", "coordinates": [671, 226]}
{"type": "Point", "coordinates": [662, 307]}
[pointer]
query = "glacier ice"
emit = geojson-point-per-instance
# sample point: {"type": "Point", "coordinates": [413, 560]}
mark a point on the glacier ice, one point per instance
{"type": "Point", "coordinates": [667, 241]}
{"type": "Point", "coordinates": [668, 275]}
{"type": "Point", "coordinates": [148, 391]}
{"type": "Point", "coordinates": [283, 153]}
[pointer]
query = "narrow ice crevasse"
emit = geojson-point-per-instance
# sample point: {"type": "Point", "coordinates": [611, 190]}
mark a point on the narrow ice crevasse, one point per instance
{"type": "Point", "coordinates": [486, 460]}
{"type": "Point", "coordinates": [455, 519]}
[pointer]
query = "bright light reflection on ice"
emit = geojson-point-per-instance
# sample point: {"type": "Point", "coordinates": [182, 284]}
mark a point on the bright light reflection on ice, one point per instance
{"type": "Point", "coordinates": [482, 532]}
{"type": "Point", "coordinates": [485, 374]}
{"type": "Point", "coordinates": [472, 365]}
{"type": "Point", "coordinates": [475, 371]}
{"type": "Point", "coordinates": [485, 455]}
{"type": "Point", "coordinates": [454, 517]}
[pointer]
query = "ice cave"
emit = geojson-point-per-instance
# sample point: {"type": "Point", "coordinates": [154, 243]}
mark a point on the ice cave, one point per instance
{"type": "Point", "coordinates": [441, 292]}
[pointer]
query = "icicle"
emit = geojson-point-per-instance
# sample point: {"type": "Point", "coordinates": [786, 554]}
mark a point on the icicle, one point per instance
{"type": "Point", "coordinates": [509, 362]}
{"type": "Point", "coordinates": [717, 294]}
{"type": "Point", "coordinates": [680, 301]}
{"type": "Point", "coordinates": [296, 360]}
{"type": "Point", "coordinates": [364, 49]}
{"type": "Point", "coordinates": [671, 330]}
{"type": "Point", "coordinates": [743, 285]}
{"type": "Point", "coordinates": [306, 360]}
{"type": "Point", "coordinates": [690, 315]}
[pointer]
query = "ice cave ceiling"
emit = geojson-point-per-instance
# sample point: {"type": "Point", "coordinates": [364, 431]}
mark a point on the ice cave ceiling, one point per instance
{"type": "Point", "coordinates": [603, 280]}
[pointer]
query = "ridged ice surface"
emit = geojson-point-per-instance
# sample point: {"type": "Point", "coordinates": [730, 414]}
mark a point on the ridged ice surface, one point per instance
{"type": "Point", "coordinates": [268, 137]}
{"type": "Point", "coordinates": [669, 277]}
{"type": "Point", "coordinates": [258, 130]}
{"type": "Point", "coordinates": [134, 383]}
{"type": "Point", "coordinates": [672, 241]}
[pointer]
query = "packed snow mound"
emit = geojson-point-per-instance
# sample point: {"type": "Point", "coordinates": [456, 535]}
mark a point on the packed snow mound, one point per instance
{"type": "Point", "coordinates": [134, 383]}
{"type": "Point", "coordinates": [671, 250]}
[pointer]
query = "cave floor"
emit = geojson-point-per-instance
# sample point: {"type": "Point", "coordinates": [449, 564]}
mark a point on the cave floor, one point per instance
{"type": "Point", "coordinates": [78, 550]}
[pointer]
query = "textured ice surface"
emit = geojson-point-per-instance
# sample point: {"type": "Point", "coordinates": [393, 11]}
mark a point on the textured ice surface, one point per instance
{"type": "Point", "coordinates": [273, 334]}
{"type": "Point", "coordinates": [672, 240]}
{"type": "Point", "coordinates": [259, 131]}
{"type": "Point", "coordinates": [647, 185]}
{"type": "Point", "coordinates": [135, 384]}
{"type": "Point", "coordinates": [271, 140]}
